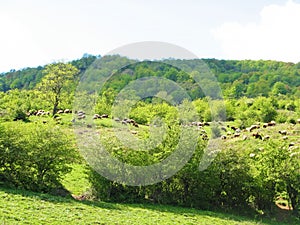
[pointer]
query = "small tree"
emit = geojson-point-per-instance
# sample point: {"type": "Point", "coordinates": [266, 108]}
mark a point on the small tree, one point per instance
{"type": "Point", "coordinates": [56, 81]}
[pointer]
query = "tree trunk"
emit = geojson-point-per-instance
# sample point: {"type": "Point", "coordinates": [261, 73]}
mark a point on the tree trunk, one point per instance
{"type": "Point", "coordinates": [55, 107]}
{"type": "Point", "coordinates": [293, 195]}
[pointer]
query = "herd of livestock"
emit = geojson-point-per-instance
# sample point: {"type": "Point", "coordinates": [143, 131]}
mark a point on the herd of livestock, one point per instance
{"type": "Point", "coordinates": [228, 131]}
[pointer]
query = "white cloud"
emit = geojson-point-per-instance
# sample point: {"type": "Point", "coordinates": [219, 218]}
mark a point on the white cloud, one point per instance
{"type": "Point", "coordinates": [276, 36]}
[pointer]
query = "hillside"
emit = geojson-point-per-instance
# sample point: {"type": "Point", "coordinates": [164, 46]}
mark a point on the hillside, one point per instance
{"type": "Point", "coordinates": [23, 207]}
{"type": "Point", "coordinates": [236, 154]}
{"type": "Point", "coordinates": [237, 78]}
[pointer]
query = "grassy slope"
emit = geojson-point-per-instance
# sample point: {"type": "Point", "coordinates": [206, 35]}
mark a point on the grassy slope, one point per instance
{"type": "Point", "coordinates": [20, 207]}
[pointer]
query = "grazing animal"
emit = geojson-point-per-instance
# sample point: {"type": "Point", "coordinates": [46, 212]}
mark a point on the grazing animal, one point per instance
{"type": "Point", "coordinates": [67, 111]}
{"type": "Point", "coordinates": [96, 116]}
{"type": "Point", "coordinates": [291, 144]}
{"type": "Point", "coordinates": [252, 127]}
{"type": "Point", "coordinates": [40, 112]}
{"type": "Point", "coordinates": [80, 114]}
{"type": "Point", "coordinates": [265, 125]}
{"type": "Point", "coordinates": [266, 137]}
{"type": "Point", "coordinates": [80, 117]}
{"type": "Point", "coordinates": [233, 128]}
{"type": "Point", "coordinates": [134, 132]}
{"type": "Point", "coordinates": [31, 113]}
{"type": "Point", "coordinates": [236, 135]}
{"type": "Point", "coordinates": [200, 124]}
{"type": "Point", "coordinates": [57, 118]}
{"type": "Point", "coordinates": [104, 116]}
{"type": "Point", "coordinates": [283, 132]}
{"type": "Point", "coordinates": [272, 123]}
{"type": "Point", "coordinates": [131, 121]}
{"type": "Point", "coordinates": [223, 137]}
{"type": "Point", "coordinates": [257, 136]}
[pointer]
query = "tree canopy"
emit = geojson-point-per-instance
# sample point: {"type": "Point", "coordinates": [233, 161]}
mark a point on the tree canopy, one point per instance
{"type": "Point", "coordinates": [57, 78]}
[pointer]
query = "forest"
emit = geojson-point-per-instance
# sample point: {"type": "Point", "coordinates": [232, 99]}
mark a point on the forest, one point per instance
{"type": "Point", "coordinates": [250, 108]}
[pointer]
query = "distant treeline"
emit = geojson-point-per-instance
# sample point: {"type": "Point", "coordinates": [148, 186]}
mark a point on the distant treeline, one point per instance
{"type": "Point", "coordinates": [237, 78]}
{"type": "Point", "coordinates": [28, 78]}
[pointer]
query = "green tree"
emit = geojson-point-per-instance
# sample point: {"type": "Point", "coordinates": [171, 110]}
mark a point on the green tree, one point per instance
{"type": "Point", "coordinates": [265, 109]}
{"type": "Point", "coordinates": [279, 171]}
{"type": "Point", "coordinates": [57, 79]}
{"type": "Point", "coordinates": [280, 88]}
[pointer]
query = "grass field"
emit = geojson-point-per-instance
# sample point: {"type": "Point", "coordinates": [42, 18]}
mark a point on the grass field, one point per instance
{"type": "Point", "coordinates": [21, 207]}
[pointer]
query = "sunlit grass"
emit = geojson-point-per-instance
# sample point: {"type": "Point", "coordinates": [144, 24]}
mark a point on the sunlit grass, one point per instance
{"type": "Point", "coordinates": [21, 207]}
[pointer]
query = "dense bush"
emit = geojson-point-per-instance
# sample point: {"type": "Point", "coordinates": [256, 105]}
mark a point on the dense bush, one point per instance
{"type": "Point", "coordinates": [34, 157]}
{"type": "Point", "coordinates": [240, 177]}
{"type": "Point", "coordinates": [175, 190]}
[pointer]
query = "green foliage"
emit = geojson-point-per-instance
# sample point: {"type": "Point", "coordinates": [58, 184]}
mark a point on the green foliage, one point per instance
{"type": "Point", "coordinates": [244, 175]}
{"type": "Point", "coordinates": [179, 189]}
{"type": "Point", "coordinates": [280, 88]}
{"type": "Point", "coordinates": [76, 181]}
{"type": "Point", "coordinates": [28, 78]}
{"type": "Point", "coordinates": [265, 110]}
{"type": "Point", "coordinates": [15, 104]}
{"type": "Point", "coordinates": [56, 82]}
{"type": "Point", "coordinates": [203, 109]}
{"type": "Point", "coordinates": [237, 78]}
{"type": "Point", "coordinates": [251, 111]}
{"type": "Point", "coordinates": [279, 171]}
{"type": "Point", "coordinates": [34, 157]}
{"type": "Point", "coordinates": [105, 102]}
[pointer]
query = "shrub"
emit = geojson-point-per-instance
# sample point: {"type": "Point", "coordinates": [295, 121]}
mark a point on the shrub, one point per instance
{"type": "Point", "coordinates": [34, 157]}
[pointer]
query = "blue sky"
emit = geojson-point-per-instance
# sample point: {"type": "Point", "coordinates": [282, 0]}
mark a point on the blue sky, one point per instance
{"type": "Point", "coordinates": [37, 32]}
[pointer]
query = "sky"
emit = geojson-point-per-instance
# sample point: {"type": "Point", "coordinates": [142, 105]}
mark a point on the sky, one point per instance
{"type": "Point", "coordinates": [38, 32]}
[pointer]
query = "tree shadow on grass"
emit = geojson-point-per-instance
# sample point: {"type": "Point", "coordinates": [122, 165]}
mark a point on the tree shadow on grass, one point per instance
{"type": "Point", "coordinates": [59, 199]}
{"type": "Point", "coordinates": [233, 215]}
{"type": "Point", "coordinates": [188, 212]}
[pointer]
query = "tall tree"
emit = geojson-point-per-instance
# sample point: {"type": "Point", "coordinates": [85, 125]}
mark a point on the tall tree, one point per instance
{"type": "Point", "coordinates": [56, 80]}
